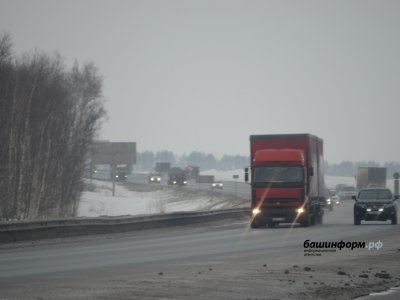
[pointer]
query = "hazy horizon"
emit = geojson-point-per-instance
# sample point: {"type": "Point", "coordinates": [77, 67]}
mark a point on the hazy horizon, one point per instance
{"type": "Point", "coordinates": [202, 76]}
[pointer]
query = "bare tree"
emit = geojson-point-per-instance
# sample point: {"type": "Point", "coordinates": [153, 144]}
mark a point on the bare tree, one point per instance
{"type": "Point", "coordinates": [49, 117]}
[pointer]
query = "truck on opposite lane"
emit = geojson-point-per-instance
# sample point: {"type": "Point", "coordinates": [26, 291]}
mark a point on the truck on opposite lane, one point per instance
{"type": "Point", "coordinates": [287, 179]}
{"type": "Point", "coordinates": [371, 177]}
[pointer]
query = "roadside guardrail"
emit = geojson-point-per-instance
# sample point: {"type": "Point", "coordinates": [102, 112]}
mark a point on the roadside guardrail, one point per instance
{"type": "Point", "coordinates": [16, 231]}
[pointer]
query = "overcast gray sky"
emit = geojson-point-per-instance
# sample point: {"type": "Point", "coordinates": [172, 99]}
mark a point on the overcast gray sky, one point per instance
{"type": "Point", "coordinates": [204, 75]}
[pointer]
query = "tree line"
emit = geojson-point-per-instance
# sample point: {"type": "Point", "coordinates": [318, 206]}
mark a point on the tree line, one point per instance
{"type": "Point", "coordinates": [49, 116]}
{"type": "Point", "coordinates": [206, 161]}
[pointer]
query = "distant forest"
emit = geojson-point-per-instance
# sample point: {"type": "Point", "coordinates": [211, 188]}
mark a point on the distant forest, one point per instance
{"type": "Point", "coordinates": [206, 161]}
{"type": "Point", "coordinates": [146, 160]}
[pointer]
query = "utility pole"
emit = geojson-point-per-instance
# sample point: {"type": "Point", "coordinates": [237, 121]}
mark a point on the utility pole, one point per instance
{"type": "Point", "coordinates": [113, 173]}
{"type": "Point", "coordinates": [396, 177]}
{"type": "Point", "coordinates": [236, 177]}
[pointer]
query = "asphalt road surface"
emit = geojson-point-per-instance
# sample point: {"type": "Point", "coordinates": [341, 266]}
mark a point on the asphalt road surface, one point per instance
{"type": "Point", "coordinates": [222, 260]}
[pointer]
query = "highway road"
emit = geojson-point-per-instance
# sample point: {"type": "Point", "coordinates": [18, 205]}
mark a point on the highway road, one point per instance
{"type": "Point", "coordinates": [240, 189]}
{"type": "Point", "coordinates": [211, 261]}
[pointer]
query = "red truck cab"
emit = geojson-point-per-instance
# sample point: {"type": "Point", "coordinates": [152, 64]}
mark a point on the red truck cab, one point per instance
{"type": "Point", "coordinates": [287, 179]}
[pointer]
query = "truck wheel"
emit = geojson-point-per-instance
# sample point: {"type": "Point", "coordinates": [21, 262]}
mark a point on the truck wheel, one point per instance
{"type": "Point", "coordinates": [305, 223]}
{"type": "Point", "coordinates": [320, 219]}
{"type": "Point", "coordinates": [357, 221]}
{"type": "Point", "coordinates": [394, 220]}
{"type": "Point", "coordinates": [255, 225]}
{"type": "Point", "coordinates": [271, 225]}
{"type": "Point", "coordinates": [313, 220]}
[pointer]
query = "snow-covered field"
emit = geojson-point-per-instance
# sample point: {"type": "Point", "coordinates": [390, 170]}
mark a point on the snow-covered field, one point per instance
{"type": "Point", "coordinates": [100, 201]}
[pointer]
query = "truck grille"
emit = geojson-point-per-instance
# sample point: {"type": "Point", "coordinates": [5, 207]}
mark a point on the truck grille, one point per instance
{"type": "Point", "coordinates": [280, 200]}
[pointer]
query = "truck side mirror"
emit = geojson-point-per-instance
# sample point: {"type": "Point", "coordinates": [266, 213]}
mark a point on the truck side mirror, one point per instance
{"type": "Point", "coordinates": [354, 198]}
{"type": "Point", "coordinates": [246, 174]}
{"type": "Point", "coordinates": [311, 171]}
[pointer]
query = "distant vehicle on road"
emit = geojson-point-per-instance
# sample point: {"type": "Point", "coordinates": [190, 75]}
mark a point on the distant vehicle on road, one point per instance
{"type": "Point", "coordinates": [339, 186]}
{"type": "Point", "coordinates": [347, 192]}
{"type": "Point", "coordinates": [155, 178]}
{"type": "Point", "coordinates": [329, 204]}
{"type": "Point", "coordinates": [121, 176]}
{"type": "Point", "coordinates": [177, 176]}
{"type": "Point", "coordinates": [217, 185]}
{"type": "Point", "coordinates": [375, 204]}
{"type": "Point", "coordinates": [336, 200]}
{"type": "Point", "coordinates": [331, 199]}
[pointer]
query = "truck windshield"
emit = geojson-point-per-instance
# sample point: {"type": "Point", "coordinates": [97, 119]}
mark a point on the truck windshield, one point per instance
{"type": "Point", "coordinates": [278, 175]}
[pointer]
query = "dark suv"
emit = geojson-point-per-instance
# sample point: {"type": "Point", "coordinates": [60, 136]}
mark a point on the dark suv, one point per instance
{"type": "Point", "coordinates": [375, 204]}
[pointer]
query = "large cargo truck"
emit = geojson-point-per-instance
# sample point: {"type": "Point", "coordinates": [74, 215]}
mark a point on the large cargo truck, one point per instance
{"type": "Point", "coordinates": [287, 179]}
{"type": "Point", "coordinates": [177, 176]}
{"type": "Point", "coordinates": [371, 177]}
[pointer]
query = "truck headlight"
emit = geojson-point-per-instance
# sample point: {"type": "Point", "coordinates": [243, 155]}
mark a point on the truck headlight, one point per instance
{"type": "Point", "coordinates": [256, 211]}
{"type": "Point", "coordinates": [300, 210]}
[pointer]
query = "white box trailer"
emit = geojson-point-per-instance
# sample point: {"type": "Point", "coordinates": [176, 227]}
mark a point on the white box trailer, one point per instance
{"type": "Point", "coordinates": [371, 177]}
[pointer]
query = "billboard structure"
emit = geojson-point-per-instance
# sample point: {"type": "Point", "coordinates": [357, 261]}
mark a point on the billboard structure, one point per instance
{"type": "Point", "coordinates": [114, 154]}
{"type": "Point", "coordinates": [110, 153]}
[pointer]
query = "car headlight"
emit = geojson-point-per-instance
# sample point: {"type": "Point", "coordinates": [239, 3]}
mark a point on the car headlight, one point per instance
{"type": "Point", "coordinates": [381, 209]}
{"type": "Point", "coordinates": [368, 209]}
{"type": "Point", "coordinates": [184, 182]}
{"type": "Point", "coordinates": [328, 201]}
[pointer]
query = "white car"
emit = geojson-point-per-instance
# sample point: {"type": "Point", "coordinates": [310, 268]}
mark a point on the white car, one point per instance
{"type": "Point", "coordinates": [347, 192]}
{"type": "Point", "coordinates": [217, 185]}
